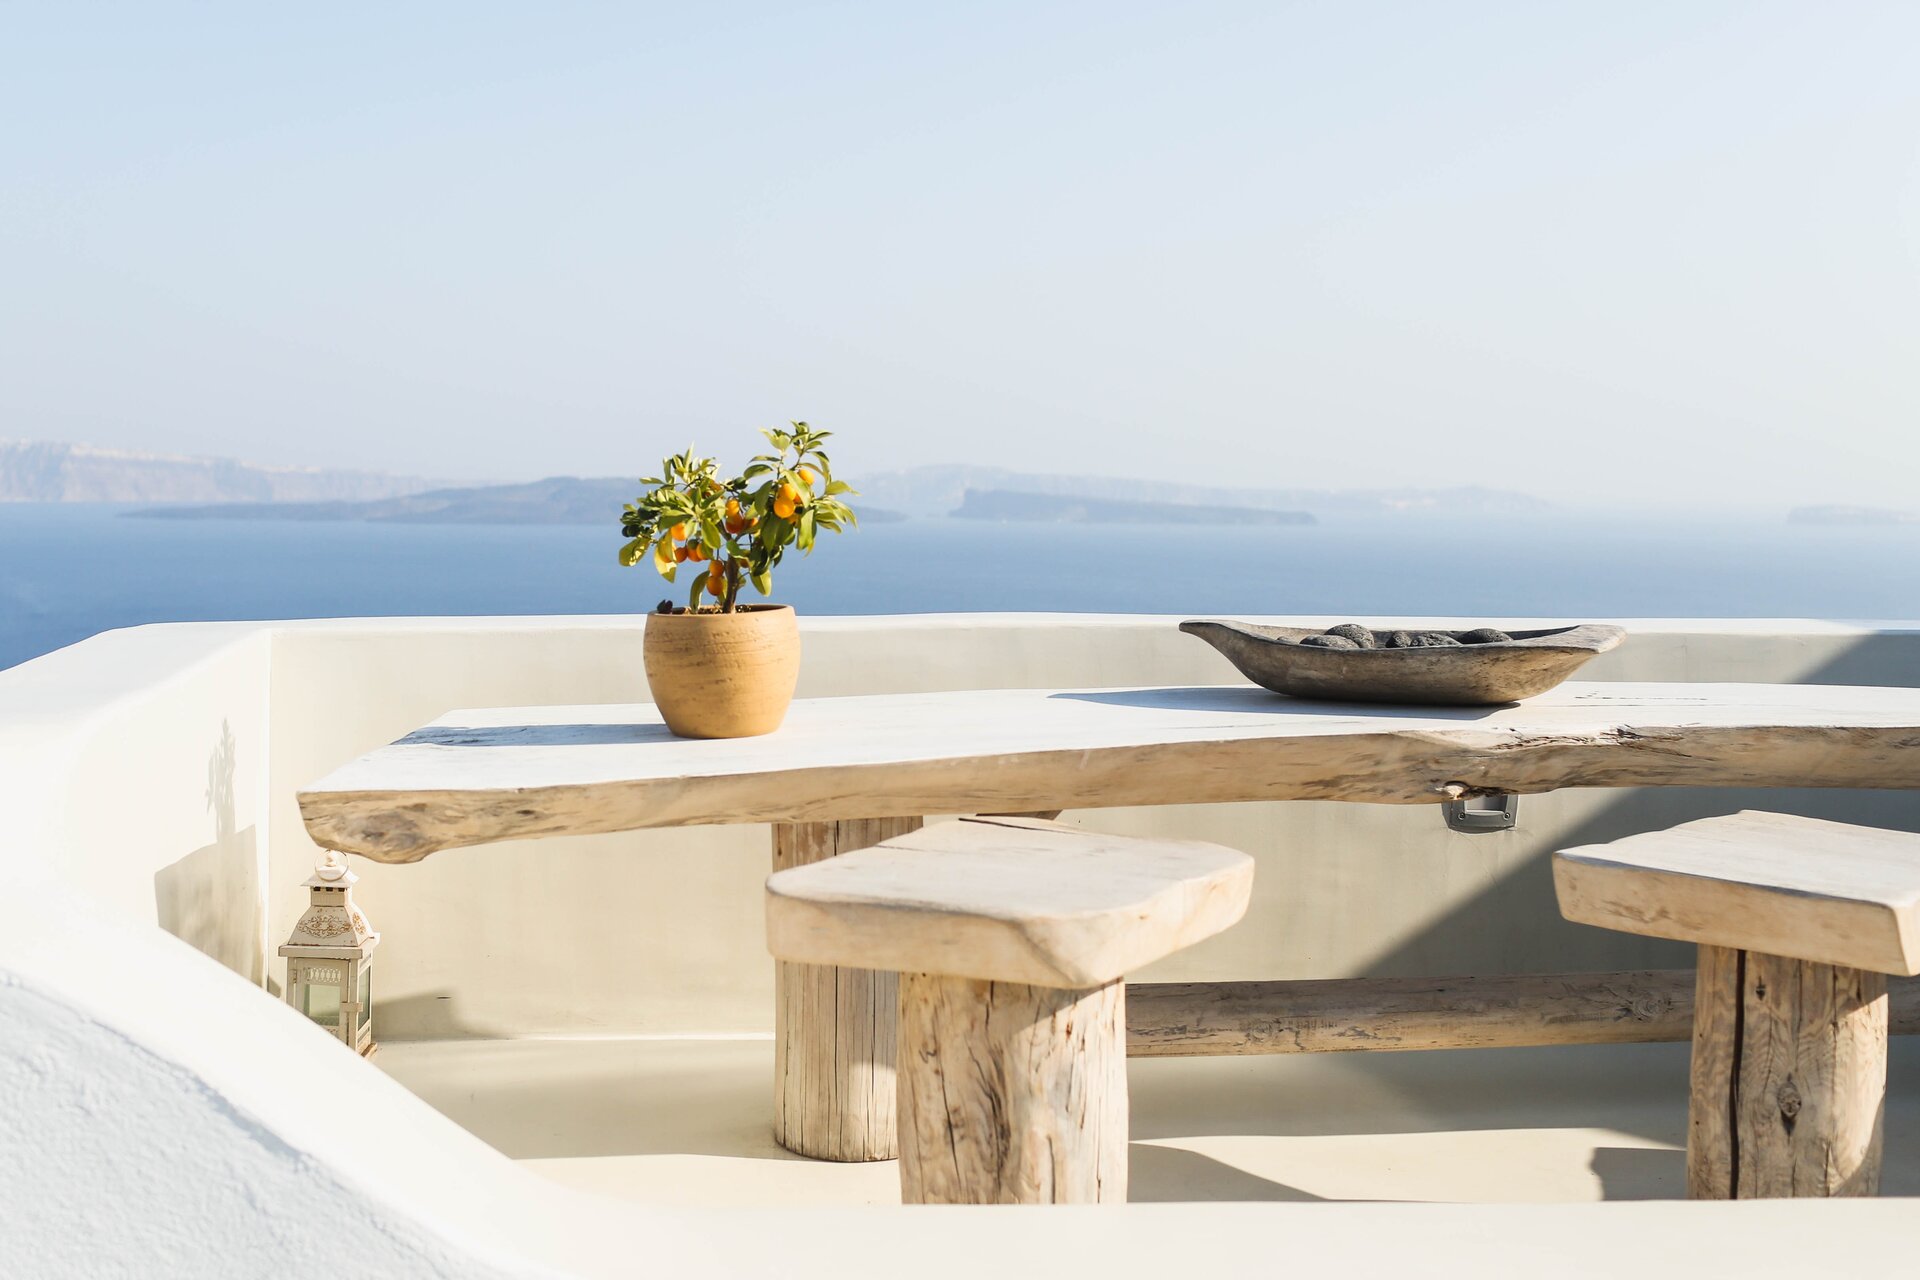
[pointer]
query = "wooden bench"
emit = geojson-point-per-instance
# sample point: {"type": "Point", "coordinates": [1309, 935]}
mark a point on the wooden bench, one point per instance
{"type": "Point", "coordinates": [1013, 938]}
{"type": "Point", "coordinates": [1798, 923]}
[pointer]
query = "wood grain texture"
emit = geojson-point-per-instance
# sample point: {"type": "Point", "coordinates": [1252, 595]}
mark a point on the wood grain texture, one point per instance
{"type": "Point", "coordinates": [1011, 1094]}
{"type": "Point", "coordinates": [1789, 1079]}
{"type": "Point", "coordinates": [834, 1027]}
{"type": "Point", "coordinates": [1348, 1015]}
{"type": "Point", "coordinates": [1812, 1079]}
{"type": "Point", "coordinates": [1008, 899]}
{"type": "Point", "coordinates": [1764, 882]}
{"type": "Point", "coordinates": [1373, 1015]}
{"type": "Point", "coordinates": [479, 776]}
{"type": "Point", "coordinates": [1712, 1144]}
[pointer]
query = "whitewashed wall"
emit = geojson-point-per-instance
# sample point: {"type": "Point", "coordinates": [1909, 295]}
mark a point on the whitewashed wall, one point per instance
{"type": "Point", "coordinates": [158, 768]}
{"type": "Point", "coordinates": [161, 1115]}
{"type": "Point", "coordinates": [660, 931]}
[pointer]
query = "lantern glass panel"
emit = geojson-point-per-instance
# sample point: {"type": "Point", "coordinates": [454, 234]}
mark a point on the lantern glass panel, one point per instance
{"type": "Point", "coordinates": [322, 1002]}
{"type": "Point", "coordinates": [365, 997]}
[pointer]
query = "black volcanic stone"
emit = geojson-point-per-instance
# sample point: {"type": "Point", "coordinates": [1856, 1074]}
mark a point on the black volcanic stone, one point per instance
{"type": "Point", "coordinates": [1329, 642]}
{"type": "Point", "coordinates": [1484, 635]}
{"type": "Point", "coordinates": [1361, 637]}
{"type": "Point", "coordinates": [1400, 640]}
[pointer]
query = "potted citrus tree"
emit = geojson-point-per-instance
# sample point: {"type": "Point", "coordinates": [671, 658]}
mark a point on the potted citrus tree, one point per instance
{"type": "Point", "coordinates": [719, 668]}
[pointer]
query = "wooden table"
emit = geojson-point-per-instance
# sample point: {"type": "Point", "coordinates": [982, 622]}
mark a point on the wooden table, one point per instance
{"type": "Point", "coordinates": [848, 772]}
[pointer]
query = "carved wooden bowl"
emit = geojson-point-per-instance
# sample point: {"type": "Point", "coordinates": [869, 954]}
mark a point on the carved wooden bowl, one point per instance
{"type": "Point", "coordinates": [1460, 675]}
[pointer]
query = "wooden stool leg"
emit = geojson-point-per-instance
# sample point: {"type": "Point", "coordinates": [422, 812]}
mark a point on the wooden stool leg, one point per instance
{"type": "Point", "coordinates": [1789, 1078]}
{"type": "Point", "coordinates": [833, 1028]}
{"type": "Point", "coordinates": [1011, 1094]}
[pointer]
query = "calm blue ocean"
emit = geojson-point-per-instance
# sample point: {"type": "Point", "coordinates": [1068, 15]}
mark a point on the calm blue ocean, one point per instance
{"type": "Point", "coordinates": [69, 571]}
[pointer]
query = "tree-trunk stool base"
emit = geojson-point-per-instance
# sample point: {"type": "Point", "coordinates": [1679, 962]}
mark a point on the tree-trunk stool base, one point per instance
{"type": "Point", "coordinates": [1797, 923]}
{"type": "Point", "coordinates": [833, 1025]}
{"type": "Point", "coordinates": [1012, 938]}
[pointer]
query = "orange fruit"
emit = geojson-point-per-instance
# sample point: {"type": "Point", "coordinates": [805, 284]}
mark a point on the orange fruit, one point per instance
{"type": "Point", "coordinates": [783, 508]}
{"type": "Point", "coordinates": [735, 524]}
{"type": "Point", "coordinates": [679, 555]}
{"type": "Point", "coordinates": [716, 582]}
{"type": "Point", "coordinates": [678, 533]}
{"type": "Point", "coordinates": [811, 476]}
{"type": "Point", "coordinates": [787, 494]}
{"type": "Point", "coordinates": [696, 552]}
{"type": "Point", "coordinates": [733, 506]}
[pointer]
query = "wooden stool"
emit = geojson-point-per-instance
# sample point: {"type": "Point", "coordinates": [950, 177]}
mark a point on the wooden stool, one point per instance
{"type": "Point", "coordinates": [1798, 923]}
{"type": "Point", "coordinates": [1013, 938]}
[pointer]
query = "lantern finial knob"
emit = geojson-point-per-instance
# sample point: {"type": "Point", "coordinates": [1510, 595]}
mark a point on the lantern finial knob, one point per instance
{"type": "Point", "coordinates": [331, 867]}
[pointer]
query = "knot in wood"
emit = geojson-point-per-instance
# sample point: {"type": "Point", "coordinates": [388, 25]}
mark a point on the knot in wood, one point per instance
{"type": "Point", "coordinates": [1646, 1008]}
{"type": "Point", "coordinates": [1788, 1097]}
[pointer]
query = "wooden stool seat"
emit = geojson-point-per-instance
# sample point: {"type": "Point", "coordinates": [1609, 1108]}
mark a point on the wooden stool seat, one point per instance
{"type": "Point", "coordinates": [1798, 922]}
{"type": "Point", "coordinates": [1013, 938]}
{"type": "Point", "coordinates": [1009, 899]}
{"type": "Point", "coordinates": [1772, 882]}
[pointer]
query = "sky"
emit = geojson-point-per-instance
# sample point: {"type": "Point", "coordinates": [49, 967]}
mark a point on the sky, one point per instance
{"type": "Point", "coordinates": [1614, 253]}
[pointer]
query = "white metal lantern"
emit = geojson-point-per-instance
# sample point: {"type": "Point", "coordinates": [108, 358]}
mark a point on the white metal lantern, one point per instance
{"type": "Point", "coordinates": [330, 957]}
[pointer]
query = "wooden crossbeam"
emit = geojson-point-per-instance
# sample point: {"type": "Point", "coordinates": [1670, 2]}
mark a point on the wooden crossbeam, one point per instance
{"type": "Point", "coordinates": [1344, 1015]}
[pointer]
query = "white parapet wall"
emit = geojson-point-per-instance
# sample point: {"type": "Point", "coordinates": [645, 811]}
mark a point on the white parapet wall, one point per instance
{"type": "Point", "coordinates": [162, 1113]}
{"type": "Point", "coordinates": [659, 932]}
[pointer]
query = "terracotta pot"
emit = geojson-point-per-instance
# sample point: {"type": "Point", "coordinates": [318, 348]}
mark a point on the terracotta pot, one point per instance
{"type": "Point", "coordinates": [723, 675]}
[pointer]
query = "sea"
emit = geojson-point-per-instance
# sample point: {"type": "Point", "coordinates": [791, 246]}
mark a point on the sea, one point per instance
{"type": "Point", "coordinates": [69, 571]}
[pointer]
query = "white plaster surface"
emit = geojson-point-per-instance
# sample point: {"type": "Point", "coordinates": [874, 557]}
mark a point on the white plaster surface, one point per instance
{"type": "Point", "coordinates": [683, 1122]}
{"type": "Point", "coordinates": [158, 1110]}
{"type": "Point", "coordinates": [659, 932]}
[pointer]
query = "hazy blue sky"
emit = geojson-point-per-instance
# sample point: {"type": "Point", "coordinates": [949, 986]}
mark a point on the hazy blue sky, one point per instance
{"type": "Point", "coordinates": [1658, 251]}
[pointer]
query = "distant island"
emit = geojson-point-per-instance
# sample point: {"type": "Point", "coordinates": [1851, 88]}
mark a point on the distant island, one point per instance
{"type": "Point", "coordinates": [44, 471]}
{"type": "Point", "coordinates": [1841, 514]}
{"type": "Point", "coordinates": [1004, 504]}
{"type": "Point", "coordinates": [942, 487]}
{"type": "Point", "coordinates": [556, 500]}
{"type": "Point", "coordinates": [187, 488]}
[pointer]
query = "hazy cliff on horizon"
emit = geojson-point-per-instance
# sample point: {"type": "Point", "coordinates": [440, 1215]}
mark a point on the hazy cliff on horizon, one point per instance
{"type": "Point", "coordinates": [932, 490]}
{"type": "Point", "coordinates": [1055, 508]}
{"type": "Point", "coordinates": [940, 488]}
{"type": "Point", "coordinates": [883, 496]}
{"type": "Point", "coordinates": [46, 471]}
{"type": "Point", "coordinates": [211, 488]}
{"type": "Point", "coordinates": [1844, 514]}
{"type": "Point", "coordinates": [555, 500]}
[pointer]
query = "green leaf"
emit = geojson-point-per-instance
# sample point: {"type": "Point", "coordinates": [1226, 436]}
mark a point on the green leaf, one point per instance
{"type": "Point", "coordinates": [839, 486]}
{"type": "Point", "coordinates": [693, 597]}
{"type": "Point", "coordinates": [630, 554]}
{"type": "Point", "coordinates": [763, 581]}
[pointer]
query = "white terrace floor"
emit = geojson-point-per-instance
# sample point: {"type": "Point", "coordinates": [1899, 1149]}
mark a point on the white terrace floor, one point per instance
{"type": "Point", "coordinates": [686, 1122]}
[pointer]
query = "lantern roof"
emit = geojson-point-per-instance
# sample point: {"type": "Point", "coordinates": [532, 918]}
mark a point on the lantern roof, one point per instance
{"type": "Point", "coordinates": [332, 920]}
